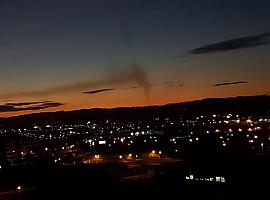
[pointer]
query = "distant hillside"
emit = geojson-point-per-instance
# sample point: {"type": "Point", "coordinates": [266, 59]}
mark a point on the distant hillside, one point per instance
{"type": "Point", "coordinates": [243, 105]}
{"type": "Point", "coordinates": [250, 104]}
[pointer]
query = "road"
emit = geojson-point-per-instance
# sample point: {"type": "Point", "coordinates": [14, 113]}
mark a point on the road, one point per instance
{"type": "Point", "coordinates": [11, 194]}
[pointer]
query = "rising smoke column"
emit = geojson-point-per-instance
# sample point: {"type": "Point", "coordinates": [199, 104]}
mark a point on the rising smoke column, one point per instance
{"type": "Point", "coordinates": [132, 73]}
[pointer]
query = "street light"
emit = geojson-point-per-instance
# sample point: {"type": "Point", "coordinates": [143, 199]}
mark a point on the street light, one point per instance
{"type": "Point", "coordinates": [19, 189]}
{"type": "Point", "coordinates": [262, 147]}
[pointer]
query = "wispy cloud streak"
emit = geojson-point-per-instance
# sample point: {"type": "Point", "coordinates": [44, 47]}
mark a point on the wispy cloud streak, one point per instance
{"type": "Point", "coordinates": [28, 106]}
{"type": "Point", "coordinates": [232, 44]}
{"type": "Point", "coordinates": [230, 83]}
{"type": "Point", "coordinates": [99, 91]}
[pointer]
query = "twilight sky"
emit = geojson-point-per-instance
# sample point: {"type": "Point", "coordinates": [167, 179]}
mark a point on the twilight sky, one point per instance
{"type": "Point", "coordinates": [73, 54]}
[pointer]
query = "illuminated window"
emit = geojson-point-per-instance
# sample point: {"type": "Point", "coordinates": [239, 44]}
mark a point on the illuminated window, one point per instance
{"type": "Point", "coordinates": [223, 180]}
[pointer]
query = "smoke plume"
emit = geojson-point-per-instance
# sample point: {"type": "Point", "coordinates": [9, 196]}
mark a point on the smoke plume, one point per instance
{"type": "Point", "coordinates": [132, 73]}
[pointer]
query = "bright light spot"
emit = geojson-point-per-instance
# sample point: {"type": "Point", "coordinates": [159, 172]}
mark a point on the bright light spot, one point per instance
{"type": "Point", "coordinates": [159, 152]}
{"type": "Point", "coordinates": [190, 140]}
{"type": "Point", "coordinates": [249, 121]}
{"type": "Point", "coordinates": [102, 142]}
{"type": "Point", "coordinates": [224, 144]}
{"type": "Point", "coordinates": [153, 152]}
{"type": "Point", "coordinates": [197, 138]}
{"type": "Point", "coordinates": [240, 130]}
{"type": "Point", "coordinates": [251, 141]}
{"type": "Point", "coordinates": [120, 157]}
{"type": "Point", "coordinates": [46, 149]}
{"type": "Point", "coordinates": [250, 129]}
{"type": "Point", "coordinates": [19, 187]}
{"type": "Point", "coordinates": [255, 136]}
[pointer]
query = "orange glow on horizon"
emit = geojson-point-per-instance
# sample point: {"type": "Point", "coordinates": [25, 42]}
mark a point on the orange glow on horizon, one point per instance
{"type": "Point", "coordinates": [134, 98]}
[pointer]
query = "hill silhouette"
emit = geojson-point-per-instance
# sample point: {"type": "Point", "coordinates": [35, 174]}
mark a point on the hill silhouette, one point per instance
{"type": "Point", "coordinates": [246, 105]}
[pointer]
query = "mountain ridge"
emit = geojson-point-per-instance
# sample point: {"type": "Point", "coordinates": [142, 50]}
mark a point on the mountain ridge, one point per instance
{"type": "Point", "coordinates": [241, 104]}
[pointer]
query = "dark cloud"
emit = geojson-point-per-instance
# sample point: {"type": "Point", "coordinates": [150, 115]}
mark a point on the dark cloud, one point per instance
{"type": "Point", "coordinates": [99, 91]}
{"type": "Point", "coordinates": [173, 84]}
{"type": "Point", "coordinates": [28, 106]}
{"type": "Point", "coordinates": [26, 103]}
{"type": "Point", "coordinates": [129, 88]}
{"type": "Point", "coordinates": [230, 83]}
{"type": "Point", "coordinates": [232, 44]}
{"type": "Point", "coordinates": [180, 85]}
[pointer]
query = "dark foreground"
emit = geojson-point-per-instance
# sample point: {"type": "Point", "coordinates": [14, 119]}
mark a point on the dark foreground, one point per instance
{"type": "Point", "coordinates": [245, 179]}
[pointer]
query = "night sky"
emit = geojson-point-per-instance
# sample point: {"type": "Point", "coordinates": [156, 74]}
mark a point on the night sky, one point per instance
{"type": "Point", "coordinates": [74, 54]}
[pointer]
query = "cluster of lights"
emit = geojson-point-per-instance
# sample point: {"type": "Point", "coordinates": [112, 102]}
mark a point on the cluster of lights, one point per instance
{"type": "Point", "coordinates": [218, 179]}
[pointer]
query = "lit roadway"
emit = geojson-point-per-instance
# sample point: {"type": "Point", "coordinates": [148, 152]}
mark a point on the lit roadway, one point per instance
{"type": "Point", "coordinates": [12, 194]}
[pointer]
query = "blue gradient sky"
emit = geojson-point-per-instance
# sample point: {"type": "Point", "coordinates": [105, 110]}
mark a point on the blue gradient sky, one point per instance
{"type": "Point", "coordinates": [47, 43]}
